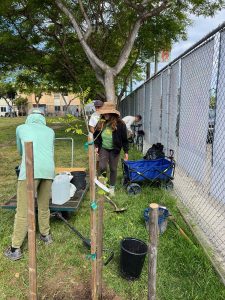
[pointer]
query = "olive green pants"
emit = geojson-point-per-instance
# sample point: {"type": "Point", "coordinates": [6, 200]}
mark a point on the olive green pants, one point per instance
{"type": "Point", "coordinates": [43, 190]}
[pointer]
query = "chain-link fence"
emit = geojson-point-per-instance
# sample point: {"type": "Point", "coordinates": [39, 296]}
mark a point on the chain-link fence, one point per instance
{"type": "Point", "coordinates": [183, 107]}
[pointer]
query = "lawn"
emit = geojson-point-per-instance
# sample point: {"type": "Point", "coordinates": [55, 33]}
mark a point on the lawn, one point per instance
{"type": "Point", "coordinates": [183, 272]}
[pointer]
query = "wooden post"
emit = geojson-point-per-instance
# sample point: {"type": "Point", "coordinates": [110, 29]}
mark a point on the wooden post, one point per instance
{"type": "Point", "coordinates": [100, 247]}
{"type": "Point", "coordinates": [31, 221]}
{"type": "Point", "coordinates": [93, 219]}
{"type": "Point", "coordinates": [152, 255]}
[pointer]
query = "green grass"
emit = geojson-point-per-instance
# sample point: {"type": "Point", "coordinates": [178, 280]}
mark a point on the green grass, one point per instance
{"type": "Point", "coordinates": [183, 272]}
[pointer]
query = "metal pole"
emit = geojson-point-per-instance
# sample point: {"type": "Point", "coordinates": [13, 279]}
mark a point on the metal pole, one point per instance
{"type": "Point", "coordinates": [31, 221]}
{"type": "Point", "coordinates": [152, 255]}
{"type": "Point", "coordinates": [156, 63]}
{"type": "Point", "coordinates": [148, 70]}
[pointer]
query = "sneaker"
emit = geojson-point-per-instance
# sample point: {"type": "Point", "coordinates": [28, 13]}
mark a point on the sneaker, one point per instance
{"type": "Point", "coordinates": [13, 255]}
{"type": "Point", "coordinates": [112, 191]}
{"type": "Point", "coordinates": [47, 239]}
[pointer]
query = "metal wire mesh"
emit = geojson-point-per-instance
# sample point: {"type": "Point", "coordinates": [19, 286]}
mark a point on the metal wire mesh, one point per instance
{"type": "Point", "coordinates": [183, 107]}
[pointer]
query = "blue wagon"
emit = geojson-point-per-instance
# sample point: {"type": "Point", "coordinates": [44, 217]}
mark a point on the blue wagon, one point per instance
{"type": "Point", "coordinates": [159, 171]}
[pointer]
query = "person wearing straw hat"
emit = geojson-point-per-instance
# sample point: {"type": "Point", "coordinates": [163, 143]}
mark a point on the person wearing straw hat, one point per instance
{"type": "Point", "coordinates": [111, 137]}
{"type": "Point", "coordinates": [34, 130]}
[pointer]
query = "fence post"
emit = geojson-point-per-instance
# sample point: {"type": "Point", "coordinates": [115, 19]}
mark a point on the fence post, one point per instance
{"type": "Point", "coordinates": [152, 255]}
{"type": "Point", "coordinates": [93, 219]}
{"type": "Point", "coordinates": [31, 220]}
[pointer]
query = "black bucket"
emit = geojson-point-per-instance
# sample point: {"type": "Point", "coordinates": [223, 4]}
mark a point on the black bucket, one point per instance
{"type": "Point", "coordinates": [79, 180]}
{"type": "Point", "coordinates": [132, 257]}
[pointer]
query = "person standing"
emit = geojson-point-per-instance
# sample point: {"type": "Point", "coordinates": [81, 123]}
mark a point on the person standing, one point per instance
{"type": "Point", "coordinates": [34, 130]}
{"type": "Point", "coordinates": [109, 141]}
{"type": "Point", "coordinates": [95, 117]}
{"type": "Point", "coordinates": [130, 120]}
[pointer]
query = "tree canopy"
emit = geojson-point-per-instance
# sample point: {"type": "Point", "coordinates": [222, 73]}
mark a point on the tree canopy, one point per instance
{"type": "Point", "coordinates": [91, 42]}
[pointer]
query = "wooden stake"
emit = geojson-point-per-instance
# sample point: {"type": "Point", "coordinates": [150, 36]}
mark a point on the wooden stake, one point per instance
{"type": "Point", "coordinates": [152, 256]}
{"type": "Point", "coordinates": [31, 221]}
{"type": "Point", "coordinates": [100, 247]}
{"type": "Point", "coordinates": [93, 220]}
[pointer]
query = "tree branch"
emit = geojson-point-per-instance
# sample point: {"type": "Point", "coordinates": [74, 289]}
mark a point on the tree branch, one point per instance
{"type": "Point", "coordinates": [137, 7]}
{"type": "Point", "coordinates": [8, 101]}
{"type": "Point", "coordinates": [124, 54]}
{"type": "Point", "coordinates": [156, 11]}
{"type": "Point", "coordinates": [89, 52]}
{"type": "Point", "coordinates": [98, 73]}
{"type": "Point", "coordinates": [89, 28]}
{"type": "Point", "coordinates": [126, 79]}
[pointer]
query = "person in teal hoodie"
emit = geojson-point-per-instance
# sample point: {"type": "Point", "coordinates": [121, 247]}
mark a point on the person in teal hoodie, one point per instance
{"type": "Point", "coordinates": [34, 130]}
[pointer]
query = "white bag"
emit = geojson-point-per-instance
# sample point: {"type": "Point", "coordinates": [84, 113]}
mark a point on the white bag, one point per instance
{"type": "Point", "coordinates": [72, 190]}
{"type": "Point", "coordinates": [62, 189]}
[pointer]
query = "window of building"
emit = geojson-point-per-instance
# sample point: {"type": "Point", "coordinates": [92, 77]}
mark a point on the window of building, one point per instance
{"type": "Point", "coordinates": [57, 108]}
{"type": "Point", "coordinates": [3, 109]}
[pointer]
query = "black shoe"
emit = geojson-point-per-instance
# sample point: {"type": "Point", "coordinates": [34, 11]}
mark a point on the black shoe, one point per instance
{"type": "Point", "coordinates": [13, 255]}
{"type": "Point", "coordinates": [47, 239]}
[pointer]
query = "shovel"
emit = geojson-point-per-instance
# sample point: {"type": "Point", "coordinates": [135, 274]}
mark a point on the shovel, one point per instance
{"type": "Point", "coordinates": [86, 241]}
{"type": "Point", "coordinates": [116, 208]}
{"type": "Point", "coordinates": [171, 218]}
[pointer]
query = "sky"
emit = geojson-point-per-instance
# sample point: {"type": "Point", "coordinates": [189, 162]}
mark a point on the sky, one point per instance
{"type": "Point", "coordinates": [200, 27]}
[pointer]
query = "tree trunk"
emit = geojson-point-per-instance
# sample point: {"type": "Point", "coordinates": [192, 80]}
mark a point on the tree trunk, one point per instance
{"type": "Point", "coordinates": [109, 86]}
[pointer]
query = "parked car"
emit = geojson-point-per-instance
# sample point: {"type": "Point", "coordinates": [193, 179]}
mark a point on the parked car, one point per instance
{"type": "Point", "coordinates": [211, 125]}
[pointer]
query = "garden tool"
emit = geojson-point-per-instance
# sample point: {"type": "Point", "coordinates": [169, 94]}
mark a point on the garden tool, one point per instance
{"type": "Point", "coordinates": [86, 241]}
{"type": "Point", "coordinates": [171, 218]}
{"type": "Point", "coordinates": [116, 208]}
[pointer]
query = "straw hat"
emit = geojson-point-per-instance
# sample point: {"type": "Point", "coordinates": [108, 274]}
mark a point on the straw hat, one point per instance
{"type": "Point", "coordinates": [108, 108]}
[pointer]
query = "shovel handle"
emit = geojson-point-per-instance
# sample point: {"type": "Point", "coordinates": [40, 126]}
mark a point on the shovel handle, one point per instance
{"type": "Point", "coordinates": [183, 233]}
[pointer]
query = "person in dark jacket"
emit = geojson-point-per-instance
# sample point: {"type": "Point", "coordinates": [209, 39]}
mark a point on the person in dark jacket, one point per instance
{"type": "Point", "coordinates": [110, 138]}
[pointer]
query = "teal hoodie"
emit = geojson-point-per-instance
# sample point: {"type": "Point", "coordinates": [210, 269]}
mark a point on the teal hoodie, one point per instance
{"type": "Point", "coordinates": [35, 130]}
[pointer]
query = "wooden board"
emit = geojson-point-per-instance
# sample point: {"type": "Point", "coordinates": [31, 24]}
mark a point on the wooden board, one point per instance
{"type": "Point", "coordinates": [60, 170]}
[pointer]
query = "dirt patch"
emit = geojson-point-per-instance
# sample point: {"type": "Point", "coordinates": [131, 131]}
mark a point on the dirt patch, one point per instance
{"type": "Point", "coordinates": [65, 287]}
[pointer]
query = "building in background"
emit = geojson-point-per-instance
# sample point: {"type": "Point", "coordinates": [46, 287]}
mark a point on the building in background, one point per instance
{"type": "Point", "coordinates": [4, 108]}
{"type": "Point", "coordinates": [54, 104]}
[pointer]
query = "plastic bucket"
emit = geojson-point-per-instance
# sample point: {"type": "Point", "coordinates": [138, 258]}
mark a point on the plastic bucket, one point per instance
{"type": "Point", "coordinates": [79, 180]}
{"type": "Point", "coordinates": [163, 215]}
{"type": "Point", "coordinates": [132, 257]}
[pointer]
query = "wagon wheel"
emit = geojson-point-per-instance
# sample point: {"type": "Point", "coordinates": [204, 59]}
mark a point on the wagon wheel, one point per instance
{"type": "Point", "coordinates": [133, 189]}
{"type": "Point", "coordinates": [167, 185]}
